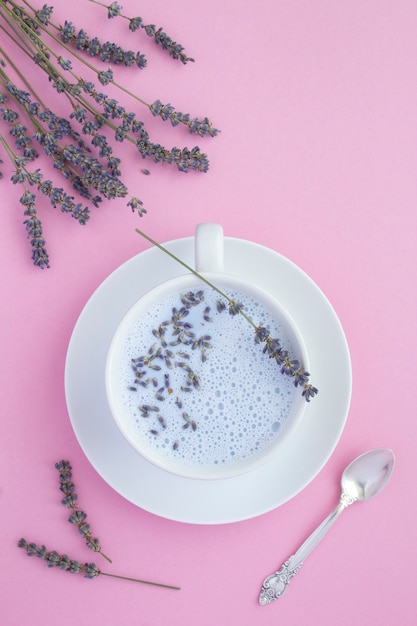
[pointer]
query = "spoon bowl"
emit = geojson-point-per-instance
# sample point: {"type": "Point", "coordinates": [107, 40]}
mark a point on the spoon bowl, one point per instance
{"type": "Point", "coordinates": [368, 474]}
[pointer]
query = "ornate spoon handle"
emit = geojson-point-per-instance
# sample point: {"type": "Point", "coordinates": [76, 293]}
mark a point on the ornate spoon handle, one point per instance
{"type": "Point", "coordinates": [275, 585]}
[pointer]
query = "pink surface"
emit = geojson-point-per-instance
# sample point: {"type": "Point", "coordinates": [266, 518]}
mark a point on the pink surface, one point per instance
{"type": "Point", "coordinates": [317, 160]}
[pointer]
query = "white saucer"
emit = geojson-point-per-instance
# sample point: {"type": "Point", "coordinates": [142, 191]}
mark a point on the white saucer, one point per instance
{"type": "Point", "coordinates": [209, 501]}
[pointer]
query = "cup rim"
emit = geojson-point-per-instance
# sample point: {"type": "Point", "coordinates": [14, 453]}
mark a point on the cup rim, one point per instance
{"type": "Point", "coordinates": [176, 285]}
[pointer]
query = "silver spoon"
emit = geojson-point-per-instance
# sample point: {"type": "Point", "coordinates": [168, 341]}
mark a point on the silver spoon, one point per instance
{"type": "Point", "coordinates": [363, 479]}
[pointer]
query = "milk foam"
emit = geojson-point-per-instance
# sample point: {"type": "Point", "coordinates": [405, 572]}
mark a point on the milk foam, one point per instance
{"type": "Point", "coordinates": [235, 403]}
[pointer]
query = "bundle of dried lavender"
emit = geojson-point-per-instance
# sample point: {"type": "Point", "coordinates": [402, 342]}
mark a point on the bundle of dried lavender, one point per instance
{"type": "Point", "coordinates": [78, 142]}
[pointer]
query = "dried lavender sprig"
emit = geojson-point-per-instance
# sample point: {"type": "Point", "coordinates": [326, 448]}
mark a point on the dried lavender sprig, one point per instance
{"type": "Point", "coordinates": [195, 126]}
{"type": "Point", "coordinates": [77, 516]}
{"type": "Point", "coordinates": [184, 159]}
{"type": "Point", "coordinates": [289, 367]}
{"type": "Point", "coordinates": [17, 130]}
{"type": "Point", "coordinates": [108, 52]}
{"type": "Point", "coordinates": [89, 570]}
{"type": "Point", "coordinates": [32, 224]}
{"type": "Point", "coordinates": [175, 50]}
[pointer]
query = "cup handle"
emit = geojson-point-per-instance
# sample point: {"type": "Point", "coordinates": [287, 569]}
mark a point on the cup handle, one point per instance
{"type": "Point", "coordinates": [209, 248]}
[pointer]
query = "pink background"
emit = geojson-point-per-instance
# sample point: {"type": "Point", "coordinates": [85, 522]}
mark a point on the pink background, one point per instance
{"type": "Point", "coordinates": [317, 103]}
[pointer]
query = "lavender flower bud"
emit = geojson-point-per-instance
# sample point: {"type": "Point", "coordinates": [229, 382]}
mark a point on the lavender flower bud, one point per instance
{"type": "Point", "coordinates": [309, 392]}
{"type": "Point", "coordinates": [114, 9]}
{"type": "Point", "coordinates": [69, 500]}
{"type": "Point", "coordinates": [235, 307]}
{"type": "Point", "coordinates": [261, 334]}
{"type": "Point", "coordinates": [91, 570]}
{"type": "Point", "coordinates": [77, 517]}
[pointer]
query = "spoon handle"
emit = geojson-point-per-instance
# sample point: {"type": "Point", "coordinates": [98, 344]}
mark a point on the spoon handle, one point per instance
{"type": "Point", "coordinates": [275, 585]}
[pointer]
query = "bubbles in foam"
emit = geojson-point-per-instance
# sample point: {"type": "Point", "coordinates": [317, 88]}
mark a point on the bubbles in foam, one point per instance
{"type": "Point", "coordinates": [204, 391]}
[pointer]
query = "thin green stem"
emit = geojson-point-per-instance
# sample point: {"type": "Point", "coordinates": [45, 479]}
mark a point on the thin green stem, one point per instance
{"type": "Point", "coordinates": [8, 149]}
{"type": "Point", "coordinates": [10, 20]}
{"type": "Point", "coordinates": [144, 582]}
{"type": "Point", "coordinates": [100, 3]}
{"type": "Point", "coordinates": [22, 77]}
{"type": "Point", "coordinates": [193, 271]}
{"type": "Point", "coordinates": [106, 6]}
{"type": "Point", "coordinates": [105, 556]}
{"type": "Point", "coordinates": [129, 93]}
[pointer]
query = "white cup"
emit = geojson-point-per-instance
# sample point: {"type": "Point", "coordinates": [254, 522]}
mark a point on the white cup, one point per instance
{"type": "Point", "coordinates": [189, 387]}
